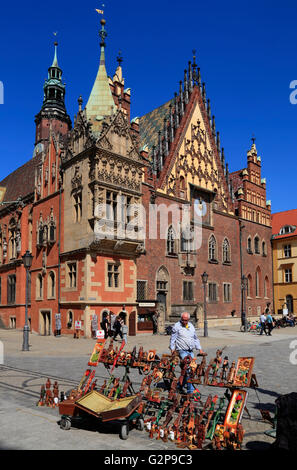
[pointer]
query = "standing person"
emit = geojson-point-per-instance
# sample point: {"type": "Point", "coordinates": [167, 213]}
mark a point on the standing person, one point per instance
{"type": "Point", "coordinates": [111, 323]}
{"type": "Point", "coordinates": [105, 324]}
{"type": "Point", "coordinates": [117, 327]}
{"type": "Point", "coordinates": [269, 323]}
{"type": "Point", "coordinates": [263, 324]}
{"type": "Point", "coordinates": [184, 340]}
{"type": "Point", "coordinates": [124, 330]}
{"type": "Point", "coordinates": [155, 317]}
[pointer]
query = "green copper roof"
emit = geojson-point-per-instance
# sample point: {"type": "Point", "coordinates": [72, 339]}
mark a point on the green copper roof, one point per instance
{"type": "Point", "coordinates": [100, 102]}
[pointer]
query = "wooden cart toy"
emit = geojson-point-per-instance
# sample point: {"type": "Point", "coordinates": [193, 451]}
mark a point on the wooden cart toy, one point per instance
{"type": "Point", "coordinates": [122, 411]}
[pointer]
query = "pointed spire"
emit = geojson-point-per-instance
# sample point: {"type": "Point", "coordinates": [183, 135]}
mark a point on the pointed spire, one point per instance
{"type": "Point", "coordinates": [186, 87]}
{"type": "Point", "coordinates": [223, 157]}
{"type": "Point", "coordinates": [218, 142]}
{"type": "Point", "coordinates": [190, 75]}
{"type": "Point", "coordinates": [204, 93]}
{"type": "Point", "coordinates": [80, 102]}
{"type": "Point", "coordinates": [55, 61]}
{"type": "Point", "coordinates": [100, 102]}
{"type": "Point", "coordinates": [208, 110]}
{"type": "Point", "coordinates": [213, 126]}
{"type": "Point", "coordinates": [199, 77]}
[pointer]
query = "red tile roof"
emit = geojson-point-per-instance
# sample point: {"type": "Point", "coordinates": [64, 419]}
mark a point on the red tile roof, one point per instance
{"type": "Point", "coordinates": [280, 219]}
{"type": "Point", "coordinates": [20, 182]}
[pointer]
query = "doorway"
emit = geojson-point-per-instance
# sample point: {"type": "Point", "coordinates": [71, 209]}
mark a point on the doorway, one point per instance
{"type": "Point", "coordinates": [163, 290]}
{"type": "Point", "coordinates": [45, 323]}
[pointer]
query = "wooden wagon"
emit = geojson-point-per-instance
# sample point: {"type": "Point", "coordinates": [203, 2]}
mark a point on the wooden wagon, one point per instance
{"type": "Point", "coordinates": [122, 411]}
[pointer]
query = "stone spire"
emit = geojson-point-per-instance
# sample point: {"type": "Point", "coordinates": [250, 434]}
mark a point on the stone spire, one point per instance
{"type": "Point", "coordinates": [100, 103]}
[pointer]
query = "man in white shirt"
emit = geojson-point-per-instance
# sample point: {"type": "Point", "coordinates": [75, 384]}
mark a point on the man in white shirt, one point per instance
{"type": "Point", "coordinates": [263, 324]}
{"type": "Point", "coordinates": [184, 340]}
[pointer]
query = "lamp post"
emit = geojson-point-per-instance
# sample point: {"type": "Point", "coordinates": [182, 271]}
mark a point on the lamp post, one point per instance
{"type": "Point", "coordinates": [27, 260]}
{"type": "Point", "coordinates": [244, 283]}
{"type": "Point", "coordinates": [204, 277]}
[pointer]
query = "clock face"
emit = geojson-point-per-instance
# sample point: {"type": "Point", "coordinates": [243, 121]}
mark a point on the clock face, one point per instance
{"type": "Point", "coordinates": [200, 207]}
{"type": "Point", "coordinates": [38, 149]}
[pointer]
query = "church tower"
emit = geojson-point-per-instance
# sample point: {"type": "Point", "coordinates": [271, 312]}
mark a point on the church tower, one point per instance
{"type": "Point", "coordinates": [53, 115]}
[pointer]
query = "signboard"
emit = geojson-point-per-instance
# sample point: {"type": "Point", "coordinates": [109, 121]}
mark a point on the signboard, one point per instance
{"type": "Point", "coordinates": [147, 304]}
{"type": "Point", "coordinates": [100, 334]}
{"type": "Point", "coordinates": [77, 325]}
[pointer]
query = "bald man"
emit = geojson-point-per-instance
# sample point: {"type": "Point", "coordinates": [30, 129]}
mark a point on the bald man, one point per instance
{"type": "Point", "coordinates": [184, 340]}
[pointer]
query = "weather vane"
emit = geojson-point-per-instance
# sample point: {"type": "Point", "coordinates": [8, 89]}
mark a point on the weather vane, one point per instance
{"type": "Point", "coordinates": [100, 12]}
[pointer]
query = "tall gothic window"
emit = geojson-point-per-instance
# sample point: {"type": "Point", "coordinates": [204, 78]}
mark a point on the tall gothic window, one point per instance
{"type": "Point", "coordinates": [11, 289]}
{"type": "Point", "coordinates": [226, 251]}
{"type": "Point", "coordinates": [171, 241]}
{"type": "Point", "coordinates": [256, 244]}
{"type": "Point", "coordinates": [77, 201]}
{"type": "Point", "coordinates": [12, 239]}
{"type": "Point", "coordinates": [212, 249]}
{"type": "Point", "coordinates": [51, 285]}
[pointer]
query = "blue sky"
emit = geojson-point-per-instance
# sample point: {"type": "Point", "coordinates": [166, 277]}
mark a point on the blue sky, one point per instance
{"type": "Point", "coordinates": [246, 51]}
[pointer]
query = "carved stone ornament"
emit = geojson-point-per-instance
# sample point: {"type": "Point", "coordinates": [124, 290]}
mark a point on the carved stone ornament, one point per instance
{"type": "Point", "coordinates": [76, 181]}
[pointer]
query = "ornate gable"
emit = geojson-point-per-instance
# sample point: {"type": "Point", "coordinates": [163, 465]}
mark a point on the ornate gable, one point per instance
{"type": "Point", "coordinates": [195, 162]}
{"type": "Point", "coordinates": [116, 137]}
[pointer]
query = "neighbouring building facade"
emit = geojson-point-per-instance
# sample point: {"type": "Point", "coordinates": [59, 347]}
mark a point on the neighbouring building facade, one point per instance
{"type": "Point", "coordinates": [76, 206]}
{"type": "Point", "coordinates": [284, 247]}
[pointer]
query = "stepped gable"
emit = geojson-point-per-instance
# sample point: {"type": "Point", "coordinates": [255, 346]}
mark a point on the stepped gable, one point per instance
{"type": "Point", "coordinates": [151, 123]}
{"type": "Point", "coordinates": [21, 182]}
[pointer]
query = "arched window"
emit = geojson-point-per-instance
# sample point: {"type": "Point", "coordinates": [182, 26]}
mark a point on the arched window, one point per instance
{"type": "Point", "coordinates": [266, 287]}
{"type": "Point", "coordinates": [171, 241]}
{"type": "Point", "coordinates": [256, 244]}
{"type": "Point", "coordinates": [212, 249]}
{"type": "Point", "coordinates": [12, 239]}
{"type": "Point", "coordinates": [39, 287]}
{"type": "Point", "coordinates": [249, 245]}
{"type": "Point", "coordinates": [264, 253]}
{"type": "Point", "coordinates": [249, 286]}
{"type": "Point", "coordinates": [258, 282]}
{"type": "Point", "coordinates": [51, 285]}
{"type": "Point", "coordinates": [226, 251]}
{"type": "Point", "coordinates": [69, 319]}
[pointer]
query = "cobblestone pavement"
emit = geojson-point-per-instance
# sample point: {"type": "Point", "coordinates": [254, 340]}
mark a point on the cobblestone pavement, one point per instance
{"type": "Point", "coordinates": [26, 426]}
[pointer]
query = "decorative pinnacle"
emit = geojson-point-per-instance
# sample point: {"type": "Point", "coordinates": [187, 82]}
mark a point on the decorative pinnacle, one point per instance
{"type": "Point", "coordinates": [102, 33]}
{"type": "Point", "coordinates": [253, 139]}
{"type": "Point", "coordinates": [194, 58]}
{"type": "Point", "coordinates": [119, 58]}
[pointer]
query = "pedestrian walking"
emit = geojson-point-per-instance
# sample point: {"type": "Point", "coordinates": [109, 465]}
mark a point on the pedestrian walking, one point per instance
{"type": "Point", "coordinates": [263, 324]}
{"type": "Point", "coordinates": [112, 320]}
{"type": "Point", "coordinates": [105, 324]}
{"type": "Point", "coordinates": [118, 327]}
{"type": "Point", "coordinates": [269, 323]}
{"type": "Point", "coordinates": [124, 330]}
